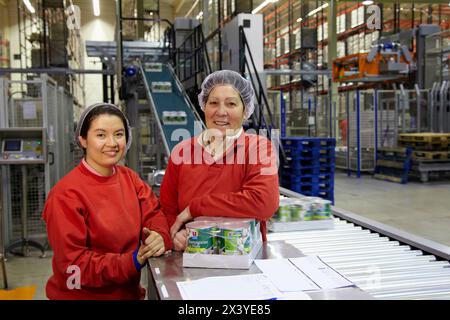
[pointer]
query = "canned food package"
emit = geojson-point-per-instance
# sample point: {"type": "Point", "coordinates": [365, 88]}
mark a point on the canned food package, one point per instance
{"type": "Point", "coordinates": [217, 242]}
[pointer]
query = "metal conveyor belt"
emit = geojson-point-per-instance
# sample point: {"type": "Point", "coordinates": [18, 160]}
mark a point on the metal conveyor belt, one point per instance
{"type": "Point", "coordinates": [378, 264]}
{"type": "Point", "coordinates": [171, 101]}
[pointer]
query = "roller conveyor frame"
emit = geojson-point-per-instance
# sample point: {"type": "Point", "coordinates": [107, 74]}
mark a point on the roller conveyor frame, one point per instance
{"type": "Point", "coordinates": [428, 246]}
{"type": "Point", "coordinates": [410, 267]}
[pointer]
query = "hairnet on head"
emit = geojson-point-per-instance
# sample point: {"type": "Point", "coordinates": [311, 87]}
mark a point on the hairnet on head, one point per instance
{"type": "Point", "coordinates": [228, 77]}
{"type": "Point", "coordinates": [85, 114]}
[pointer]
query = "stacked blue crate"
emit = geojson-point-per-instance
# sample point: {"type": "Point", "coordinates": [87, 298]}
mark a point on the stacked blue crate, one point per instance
{"type": "Point", "coordinates": [309, 166]}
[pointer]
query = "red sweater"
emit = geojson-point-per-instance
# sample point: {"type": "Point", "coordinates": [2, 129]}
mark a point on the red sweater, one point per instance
{"type": "Point", "coordinates": [243, 185]}
{"type": "Point", "coordinates": [94, 223]}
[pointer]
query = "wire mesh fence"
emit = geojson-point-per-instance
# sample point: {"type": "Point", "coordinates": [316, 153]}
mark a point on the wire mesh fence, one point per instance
{"type": "Point", "coordinates": [36, 103]}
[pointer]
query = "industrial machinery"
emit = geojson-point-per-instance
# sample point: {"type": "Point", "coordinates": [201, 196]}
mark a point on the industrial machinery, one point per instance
{"type": "Point", "coordinates": [36, 140]}
{"type": "Point", "coordinates": [386, 61]}
{"type": "Point", "coordinates": [23, 147]}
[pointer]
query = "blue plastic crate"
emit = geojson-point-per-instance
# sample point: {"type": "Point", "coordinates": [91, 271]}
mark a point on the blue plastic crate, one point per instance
{"type": "Point", "coordinates": [300, 179]}
{"type": "Point", "coordinates": [295, 153]}
{"type": "Point", "coordinates": [310, 188]}
{"type": "Point", "coordinates": [299, 170]}
{"type": "Point", "coordinates": [329, 195]}
{"type": "Point", "coordinates": [328, 161]}
{"type": "Point", "coordinates": [304, 163]}
{"type": "Point", "coordinates": [327, 152]}
{"type": "Point", "coordinates": [309, 142]}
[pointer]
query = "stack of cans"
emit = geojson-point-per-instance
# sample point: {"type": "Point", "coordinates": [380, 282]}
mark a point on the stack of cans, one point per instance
{"type": "Point", "coordinates": [214, 235]}
{"type": "Point", "coordinates": [304, 209]}
{"type": "Point", "coordinates": [174, 117]}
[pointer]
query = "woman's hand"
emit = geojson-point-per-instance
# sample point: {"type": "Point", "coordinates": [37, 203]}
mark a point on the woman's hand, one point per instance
{"type": "Point", "coordinates": [153, 246]}
{"type": "Point", "coordinates": [182, 218]}
{"type": "Point", "coordinates": [180, 240]}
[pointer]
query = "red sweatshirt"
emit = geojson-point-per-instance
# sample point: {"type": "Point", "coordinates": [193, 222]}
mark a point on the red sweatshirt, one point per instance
{"type": "Point", "coordinates": [243, 184]}
{"type": "Point", "coordinates": [94, 224]}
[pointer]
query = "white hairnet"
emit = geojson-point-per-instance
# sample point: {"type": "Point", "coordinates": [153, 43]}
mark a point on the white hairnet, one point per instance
{"type": "Point", "coordinates": [228, 77]}
{"type": "Point", "coordinates": [88, 110]}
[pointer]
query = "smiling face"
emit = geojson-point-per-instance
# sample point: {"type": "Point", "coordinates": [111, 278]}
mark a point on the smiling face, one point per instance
{"type": "Point", "coordinates": [105, 143]}
{"type": "Point", "coordinates": [224, 110]}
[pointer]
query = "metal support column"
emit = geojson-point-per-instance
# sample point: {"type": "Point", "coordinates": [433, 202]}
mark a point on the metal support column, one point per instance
{"type": "Point", "coordinates": [2, 241]}
{"type": "Point", "coordinates": [418, 108]}
{"type": "Point", "coordinates": [332, 54]}
{"type": "Point", "coordinates": [431, 107]}
{"type": "Point", "coordinates": [347, 108]}
{"type": "Point", "coordinates": [397, 98]}
{"type": "Point", "coordinates": [282, 115]}
{"type": "Point", "coordinates": [442, 106]}
{"type": "Point", "coordinates": [375, 104]}
{"type": "Point", "coordinates": [358, 136]}
{"type": "Point", "coordinates": [402, 105]}
{"type": "Point", "coordinates": [309, 115]}
{"type": "Point", "coordinates": [445, 108]}
{"type": "Point", "coordinates": [105, 85]}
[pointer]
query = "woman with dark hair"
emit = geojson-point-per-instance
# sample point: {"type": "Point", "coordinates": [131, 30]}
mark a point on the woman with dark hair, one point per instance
{"type": "Point", "coordinates": [103, 221]}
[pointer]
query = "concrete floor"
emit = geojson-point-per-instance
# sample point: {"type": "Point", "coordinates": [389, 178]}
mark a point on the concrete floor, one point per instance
{"type": "Point", "coordinates": [419, 208]}
{"type": "Point", "coordinates": [422, 209]}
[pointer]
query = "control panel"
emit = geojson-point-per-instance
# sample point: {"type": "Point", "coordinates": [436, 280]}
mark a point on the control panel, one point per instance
{"type": "Point", "coordinates": [23, 146]}
{"type": "Point", "coordinates": [21, 149]}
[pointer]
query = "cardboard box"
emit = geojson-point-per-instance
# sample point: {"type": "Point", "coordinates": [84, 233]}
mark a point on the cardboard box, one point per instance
{"type": "Point", "coordinates": [225, 261]}
{"type": "Point", "coordinates": [340, 23]}
{"type": "Point", "coordinates": [220, 261]}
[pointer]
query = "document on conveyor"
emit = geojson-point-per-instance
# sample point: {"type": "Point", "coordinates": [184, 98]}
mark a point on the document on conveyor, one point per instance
{"type": "Point", "coordinates": [285, 275]}
{"type": "Point", "coordinates": [257, 287]}
{"type": "Point", "coordinates": [304, 274]}
{"type": "Point", "coordinates": [321, 273]}
{"type": "Point", "coordinates": [241, 287]}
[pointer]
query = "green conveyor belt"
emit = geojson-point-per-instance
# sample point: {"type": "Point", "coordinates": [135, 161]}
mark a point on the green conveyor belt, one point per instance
{"type": "Point", "coordinates": [170, 101]}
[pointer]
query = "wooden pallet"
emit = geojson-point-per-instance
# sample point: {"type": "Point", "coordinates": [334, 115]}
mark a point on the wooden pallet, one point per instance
{"type": "Point", "coordinates": [392, 151]}
{"type": "Point", "coordinates": [425, 146]}
{"type": "Point", "coordinates": [431, 155]}
{"type": "Point", "coordinates": [388, 178]}
{"type": "Point", "coordinates": [390, 164]}
{"type": "Point", "coordinates": [425, 137]}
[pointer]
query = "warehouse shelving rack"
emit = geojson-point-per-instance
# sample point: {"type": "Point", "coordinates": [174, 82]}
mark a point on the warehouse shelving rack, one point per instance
{"type": "Point", "coordinates": [46, 42]}
{"type": "Point", "coordinates": [281, 22]}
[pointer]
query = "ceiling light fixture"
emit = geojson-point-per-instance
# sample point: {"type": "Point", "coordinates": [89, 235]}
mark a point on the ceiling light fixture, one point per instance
{"type": "Point", "coordinates": [192, 9]}
{"type": "Point", "coordinates": [317, 10]}
{"type": "Point", "coordinates": [262, 5]}
{"type": "Point", "coordinates": [29, 6]}
{"type": "Point", "coordinates": [96, 6]}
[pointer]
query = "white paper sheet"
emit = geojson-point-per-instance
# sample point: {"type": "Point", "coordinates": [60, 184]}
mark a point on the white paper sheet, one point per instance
{"type": "Point", "coordinates": [29, 110]}
{"type": "Point", "coordinates": [242, 287]}
{"type": "Point", "coordinates": [297, 295]}
{"type": "Point", "coordinates": [285, 276]}
{"type": "Point", "coordinates": [324, 276]}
